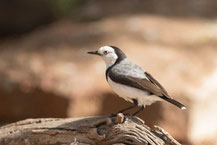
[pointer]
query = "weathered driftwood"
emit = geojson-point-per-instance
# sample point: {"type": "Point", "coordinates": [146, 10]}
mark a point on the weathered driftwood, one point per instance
{"type": "Point", "coordinates": [119, 130]}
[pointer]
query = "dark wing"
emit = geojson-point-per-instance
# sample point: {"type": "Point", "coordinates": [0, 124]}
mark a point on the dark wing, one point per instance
{"type": "Point", "coordinates": [154, 81]}
{"type": "Point", "coordinates": [142, 84]}
{"type": "Point", "coordinates": [151, 86]}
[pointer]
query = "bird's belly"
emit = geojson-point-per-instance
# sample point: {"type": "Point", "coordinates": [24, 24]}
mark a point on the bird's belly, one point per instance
{"type": "Point", "coordinates": [130, 93]}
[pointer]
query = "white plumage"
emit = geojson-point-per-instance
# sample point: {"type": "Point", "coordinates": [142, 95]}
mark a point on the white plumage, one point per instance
{"type": "Point", "coordinates": [129, 93]}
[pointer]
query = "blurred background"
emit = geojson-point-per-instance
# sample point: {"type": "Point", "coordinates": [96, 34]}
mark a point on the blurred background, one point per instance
{"type": "Point", "coordinates": [45, 71]}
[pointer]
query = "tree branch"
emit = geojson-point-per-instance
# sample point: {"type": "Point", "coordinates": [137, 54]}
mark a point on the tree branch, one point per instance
{"type": "Point", "coordinates": [120, 130]}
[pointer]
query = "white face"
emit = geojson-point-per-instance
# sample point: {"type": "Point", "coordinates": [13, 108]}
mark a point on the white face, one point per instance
{"type": "Point", "coordinates": [108, 54]}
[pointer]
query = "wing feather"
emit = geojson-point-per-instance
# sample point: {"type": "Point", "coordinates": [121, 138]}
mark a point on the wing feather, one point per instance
{"type": "Point", "coordinates": [142, 84]}
{"type": "Point", "coordinates": [149, 85]}
{"type": "Point", "coordinates": [154, 81]}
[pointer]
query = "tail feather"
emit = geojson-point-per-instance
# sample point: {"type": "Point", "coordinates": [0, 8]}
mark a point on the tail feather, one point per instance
{"type": "Point", "coordinates": [174, 102]}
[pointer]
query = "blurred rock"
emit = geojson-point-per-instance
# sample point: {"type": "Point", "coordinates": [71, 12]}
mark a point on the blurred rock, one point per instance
{"type": "Point", "coordinates": [179, 53]}
{"type": "Point", "coordinates": [20, 16]}
{"type": "Point", "coordinates": [203, 128]}
{"type": "Point", "coordinates": [17, 103]}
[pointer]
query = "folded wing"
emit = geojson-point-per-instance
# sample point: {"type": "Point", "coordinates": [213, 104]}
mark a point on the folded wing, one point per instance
{"type": "Point", "coordinates": [150, 85]}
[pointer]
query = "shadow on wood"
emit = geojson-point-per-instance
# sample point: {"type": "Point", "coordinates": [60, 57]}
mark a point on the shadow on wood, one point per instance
{"type": "Point", "coordinates": [103, 130]}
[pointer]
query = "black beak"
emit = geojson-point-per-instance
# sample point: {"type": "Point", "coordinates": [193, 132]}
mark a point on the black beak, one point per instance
{"type": "Point", "coordinates": [94, 52]}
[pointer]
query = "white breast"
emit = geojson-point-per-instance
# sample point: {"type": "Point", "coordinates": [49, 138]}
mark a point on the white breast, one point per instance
{"type": "Point", "coordinates": [129, 93]}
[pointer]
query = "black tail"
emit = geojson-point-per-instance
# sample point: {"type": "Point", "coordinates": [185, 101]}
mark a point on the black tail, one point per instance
{"type": "Point", "coordinates": [174, 102]}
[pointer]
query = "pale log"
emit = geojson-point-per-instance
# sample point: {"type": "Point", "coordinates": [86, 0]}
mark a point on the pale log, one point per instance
{"type": "Point", "coordinates": [119, 130]}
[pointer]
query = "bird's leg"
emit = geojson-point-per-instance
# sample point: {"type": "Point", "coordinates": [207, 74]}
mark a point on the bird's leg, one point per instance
{"type": "Point", "coordinates": [135, 103]}
{"type": "Point", "coordinates": [123, 110]}
{"type": "Point", "coordinates": [140, 109]}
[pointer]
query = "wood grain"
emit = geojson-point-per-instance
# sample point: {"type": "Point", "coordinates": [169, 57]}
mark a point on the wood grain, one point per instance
{"type": "Point", "coordinates": [119, 130]}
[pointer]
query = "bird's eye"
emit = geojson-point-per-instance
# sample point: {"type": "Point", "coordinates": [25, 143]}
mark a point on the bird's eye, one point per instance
{"type": "Point", "coordinates": [105, 52]}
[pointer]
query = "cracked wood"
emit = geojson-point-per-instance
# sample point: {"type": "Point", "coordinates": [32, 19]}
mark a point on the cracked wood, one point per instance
{"type": "Point", "coordinates": [84, 131]}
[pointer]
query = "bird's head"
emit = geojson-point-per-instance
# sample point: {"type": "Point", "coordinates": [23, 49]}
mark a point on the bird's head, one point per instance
{"type": "Point", "coordinates": [110, 54]}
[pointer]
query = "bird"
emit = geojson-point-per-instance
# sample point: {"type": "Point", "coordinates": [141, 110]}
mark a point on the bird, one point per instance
{"type": "Point", "coordinates": [130, 82]}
